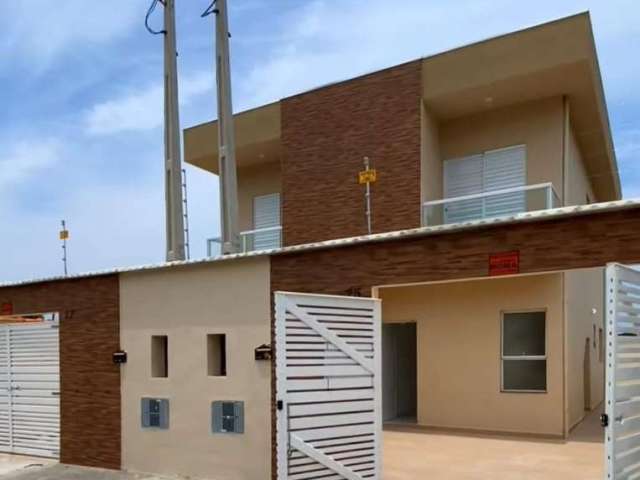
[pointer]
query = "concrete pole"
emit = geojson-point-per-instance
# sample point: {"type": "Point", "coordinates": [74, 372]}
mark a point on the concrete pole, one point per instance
{"type": "Point", "coordinates": [226, 136]}
{"type": "Point", "coordinates": [173, 154]}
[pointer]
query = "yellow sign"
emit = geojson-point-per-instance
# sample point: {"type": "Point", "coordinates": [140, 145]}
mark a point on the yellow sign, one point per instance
{"type": "Point", "coordinates": [367, 176]}
{"type": "Point", "coordinates": [64, 234]}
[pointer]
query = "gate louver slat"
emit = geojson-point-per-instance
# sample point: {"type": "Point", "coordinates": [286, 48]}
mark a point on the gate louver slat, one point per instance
{"type": "Point", "coordinates": [327, 356]}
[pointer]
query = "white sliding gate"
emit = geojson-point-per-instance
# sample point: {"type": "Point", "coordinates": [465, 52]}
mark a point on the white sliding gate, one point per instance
{"type": "Point", "coordinates": [328, 363]}
{"type": "Point", "coordinates": [622, 407]}
{"type": "Point", "coordinates": [29, 389]}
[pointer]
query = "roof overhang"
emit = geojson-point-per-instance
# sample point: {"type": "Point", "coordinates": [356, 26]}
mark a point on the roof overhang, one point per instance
{"type": "Point", "coordinates": [549, 60]}
{"type": "Point", "coordinates": [553, 59]}
{"type": "Point", "coordinates": [257, 139]}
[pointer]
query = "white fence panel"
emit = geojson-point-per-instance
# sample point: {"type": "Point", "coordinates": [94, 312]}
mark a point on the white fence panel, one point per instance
{"type": "Point", "coordinates": [328, 357]}
{"type": "Point", "coordinates": [622, 402]}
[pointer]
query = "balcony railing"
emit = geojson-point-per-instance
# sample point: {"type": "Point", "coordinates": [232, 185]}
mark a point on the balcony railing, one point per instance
{"type": "Point", "coordinates": [492, 204]}
{"type": "Point", "coordinates": [250, 240]}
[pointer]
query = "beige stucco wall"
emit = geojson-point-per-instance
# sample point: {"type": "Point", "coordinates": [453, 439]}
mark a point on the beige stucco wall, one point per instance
{"type": "Point", "coordinates": [578, 183]}
{"type": "Point", "coordinates": [187, 303]}
{"type": "Point", "coordinates": [431, 162]}
{"type": "Point", "coordinates": [256, 180]}
{"type": "Point", "coordinates": [584, 294]}
{"type": "Point", "coordinates": [458, 338]}
{"type": "Point", "coordinates": [537, 124]}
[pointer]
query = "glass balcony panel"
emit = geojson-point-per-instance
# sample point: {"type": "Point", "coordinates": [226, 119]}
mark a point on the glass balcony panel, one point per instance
{"type": "Point", "coordinates": [251, 240]}
{"type": "Point", "coordinates": [492, 204]}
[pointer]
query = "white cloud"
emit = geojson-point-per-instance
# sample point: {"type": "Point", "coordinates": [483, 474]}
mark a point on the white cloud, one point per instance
{"type": "Point", "coordinates": [40, 30]}
{"type": "Point", "coordinates": [26, 158]}
{"type": "Point", "coordinates": [111, 225]}
{"type": "Point", "coordinates": [325, 43]}
{"type": "Point", "coordinates": [142, 110]}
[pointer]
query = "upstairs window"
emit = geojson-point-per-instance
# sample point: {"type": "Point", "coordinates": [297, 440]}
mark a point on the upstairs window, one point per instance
{"type": "Point", "coordinates": [266, 220]}
{"type": "Point", "coordinates": [524, 352]}
{"type": "Point", "coordinates": [485, 172]}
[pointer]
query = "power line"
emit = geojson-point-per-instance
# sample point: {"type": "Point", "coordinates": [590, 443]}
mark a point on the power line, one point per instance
{"type": "Point", "coordinates": [152, 8]}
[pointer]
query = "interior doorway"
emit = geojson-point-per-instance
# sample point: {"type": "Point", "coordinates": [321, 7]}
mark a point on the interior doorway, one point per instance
{"type": "Point", "coordinates": [399, 372]}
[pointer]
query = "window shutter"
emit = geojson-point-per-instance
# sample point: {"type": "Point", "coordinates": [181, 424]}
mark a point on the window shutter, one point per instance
{"type": "Point", "coordinates": [164, 413]}
{"type": "Point", "coordinates": [463, 176]}
{"type": "Point", "coordinates": [155, 413]}
{"type": "Point", "coordinates": [239, 413]}
{"type": "Point", "coordinates": [490, 171]}
{"type": "Point", "coordinates": [216, 417]}
{"type": "Point", "coordinates": [145, 408]}
{"type": "Point", "coordinates": [266, 213]}
{"type": "Point", "coordinates": [505, 168]}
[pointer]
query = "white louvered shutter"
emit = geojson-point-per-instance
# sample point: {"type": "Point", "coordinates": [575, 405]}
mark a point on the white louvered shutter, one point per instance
{"type": "Point", "coordinates": [463, 176]}
{"type": "Point", "coordinates": [5, 397]}
{"type": "Point", "coordinates": [30, 389]}
{"type": "Point", "coordinates": [266, 213]}
{"type": "Point", "coordinates": [494, 170]}
{"type": "Point", "coordinates": [505, 168]}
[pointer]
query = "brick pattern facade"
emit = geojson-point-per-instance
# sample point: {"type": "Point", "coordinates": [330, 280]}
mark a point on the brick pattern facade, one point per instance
{"type": "Point", "coordinates": [325, 135]}
{"type": "Point", "coordinates": [90, 382]}
{"type": "Point", "coordinates": [552, 245]}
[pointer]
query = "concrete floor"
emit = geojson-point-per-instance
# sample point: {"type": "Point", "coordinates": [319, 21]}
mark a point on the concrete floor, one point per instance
{"type": "Point", "coordinates": [53, 471]}
{"type": "Point", "coordinates": [412, 454]}
{"type": "Point", "coordinates": [13, 463]}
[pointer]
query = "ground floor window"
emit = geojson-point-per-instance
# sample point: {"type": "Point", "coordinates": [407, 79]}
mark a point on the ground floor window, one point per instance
{"type": "Point", "coordinates": [524, 352]}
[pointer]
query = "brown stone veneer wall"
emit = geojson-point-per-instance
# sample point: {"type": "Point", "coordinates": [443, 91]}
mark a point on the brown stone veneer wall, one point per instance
{"type": "Point", "coordinates": [90, 382]}
{"type": "Point", "coordinates": [560, 244]}
{"type": "Point", "coordinates": [325, 135]}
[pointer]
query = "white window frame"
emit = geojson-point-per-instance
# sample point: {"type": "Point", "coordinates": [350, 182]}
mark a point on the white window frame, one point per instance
{"type": "Point", "coordinates": [524, 357]}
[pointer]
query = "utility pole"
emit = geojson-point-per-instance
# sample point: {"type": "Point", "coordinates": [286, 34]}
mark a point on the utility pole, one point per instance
{"type": "Point", "coordinates": [226, 133]}
{"type": "Point", "coordinates": [173, 154]}
{"type": "Point", "coordinates": [174, 216]}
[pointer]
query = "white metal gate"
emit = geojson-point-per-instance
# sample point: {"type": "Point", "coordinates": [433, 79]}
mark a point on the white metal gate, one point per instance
{"type": "Point", "coordinates": [328, 363]}
{"type": "Point", "coordinates": [29, 389]}
{"type": "Point", "coordinates": [622, 407]}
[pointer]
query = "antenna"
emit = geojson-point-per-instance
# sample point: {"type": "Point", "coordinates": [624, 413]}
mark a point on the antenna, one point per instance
{"type": "Point", "coordinates": [226, 136]}
{"type": "Point", "coordinates": [64, 236]}
{"type": "Point", "coordinates": [175, 231]}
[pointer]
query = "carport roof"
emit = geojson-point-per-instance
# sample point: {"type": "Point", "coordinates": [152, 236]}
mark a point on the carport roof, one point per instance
{"type": "Point", "coordinates": [528, 217]}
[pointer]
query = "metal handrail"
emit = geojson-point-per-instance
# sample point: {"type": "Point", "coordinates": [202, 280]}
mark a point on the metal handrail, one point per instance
{"type": "Point", "coordinates": [243, 237]}
{"type": "Point", "coordinates": [261, 230]}
{"type": "Point", "coordinates": [490, 193]}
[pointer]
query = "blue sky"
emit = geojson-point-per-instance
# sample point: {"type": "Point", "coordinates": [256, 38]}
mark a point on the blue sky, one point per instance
{"type": "Point", "coordinates": [81, 123]}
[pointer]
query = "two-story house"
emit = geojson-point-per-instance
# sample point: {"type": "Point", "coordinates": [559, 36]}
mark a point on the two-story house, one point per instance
{"type": "Point", "coordinates": [502, 128]}
{"type": "Point", "coordinates": [476, 302]}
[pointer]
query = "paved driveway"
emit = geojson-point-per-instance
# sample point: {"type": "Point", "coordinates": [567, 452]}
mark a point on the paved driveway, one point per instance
{"type": "Point", "coordinates": [410, 455]}
{"type": "Point", "coordinates": [64, 472]}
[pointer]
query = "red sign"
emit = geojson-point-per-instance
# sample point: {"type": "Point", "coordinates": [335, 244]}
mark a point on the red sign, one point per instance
{"type": "Point", "coordinates": [506, 263]}
{"type": "Point", "coordinates": [6, 309]}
